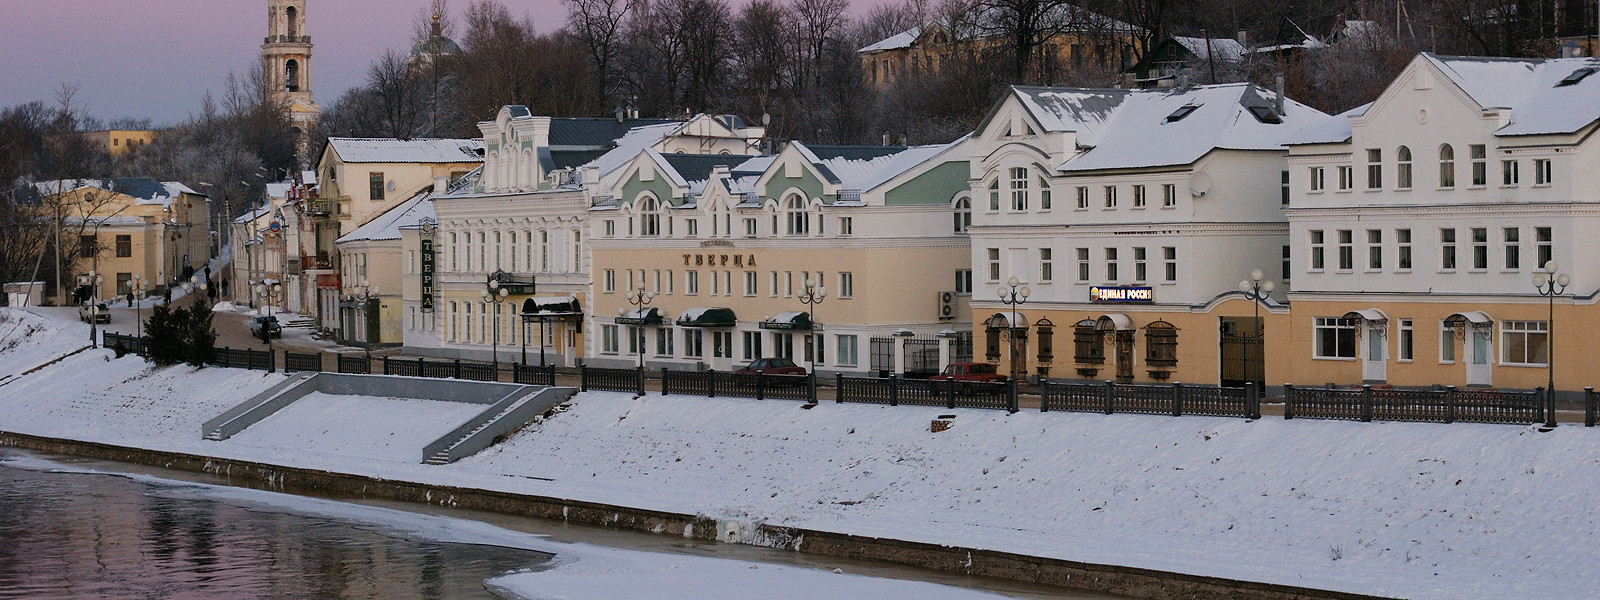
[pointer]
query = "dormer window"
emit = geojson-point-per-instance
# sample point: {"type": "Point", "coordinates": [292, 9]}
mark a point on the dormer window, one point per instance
{"type": "Point", "coordinates": [1183, 111]}
{"type": "Point", "coordinates": [1576, 76]}
{"type": "Point", "coordinates": [1264, 114]}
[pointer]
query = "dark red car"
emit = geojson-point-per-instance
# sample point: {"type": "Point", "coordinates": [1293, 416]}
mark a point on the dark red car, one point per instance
{"type": "Point", "coordinates": [969, 372]}
{"type": "Point", "coordinates": [773, 366]}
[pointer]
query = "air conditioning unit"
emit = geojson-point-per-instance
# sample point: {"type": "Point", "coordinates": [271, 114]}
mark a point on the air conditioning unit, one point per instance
{"type": "Point", "coordinates": [947, 306]}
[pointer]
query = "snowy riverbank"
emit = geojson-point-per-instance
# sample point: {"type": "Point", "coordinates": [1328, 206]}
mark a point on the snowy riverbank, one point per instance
{"type": "Point", "coordinates": [1405, 510]}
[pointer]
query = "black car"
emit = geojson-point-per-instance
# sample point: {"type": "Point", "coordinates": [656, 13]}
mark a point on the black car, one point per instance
{"type": "Point", "coordinates": [265, 325]}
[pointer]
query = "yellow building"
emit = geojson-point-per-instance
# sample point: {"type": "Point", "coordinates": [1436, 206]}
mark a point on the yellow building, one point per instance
{"type": "Point", "coordinates": [120, 141]}
{"type": "Point", "coordinates": [1094, 43]}
{"type": "Point", "coordinates": [130, 226]}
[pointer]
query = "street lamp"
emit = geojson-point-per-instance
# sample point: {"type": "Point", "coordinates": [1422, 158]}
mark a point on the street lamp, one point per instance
{"type": "Point", "coordinates": [94, 331]}
{"type": "Point", "coordinates": [1257, 290]}
{"type": "Point", "coordinates": [138, 288]}
{"type": "Point", "coordinates": [1011, 298]}
{"type": "Point", "coordinates": [638, 298]}
{"type": "Point", "coordinates": [812, 296]}
{"type": "Point", "coordinates": [1550, 284]}
{"type": "Point", "coordinates": [495, 295]}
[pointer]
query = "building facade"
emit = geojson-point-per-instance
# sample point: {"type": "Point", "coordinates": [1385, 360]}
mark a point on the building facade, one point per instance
{"type": "Point", "coordinates": [286, 65]}
{"type": "Point", "coordinates": [119, 228]}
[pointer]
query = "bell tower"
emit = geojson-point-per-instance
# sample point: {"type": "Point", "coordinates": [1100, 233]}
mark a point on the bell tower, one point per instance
{"type": "Point", "coordinates": [286, 63]}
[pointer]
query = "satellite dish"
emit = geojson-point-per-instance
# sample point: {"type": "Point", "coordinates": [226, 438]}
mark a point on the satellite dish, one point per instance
{"type": "Point", "coordinates": [1199, 184]}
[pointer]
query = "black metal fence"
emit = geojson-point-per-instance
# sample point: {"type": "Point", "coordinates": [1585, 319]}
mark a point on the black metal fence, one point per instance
{"type": "Point", "coordinates": [529, 375]}
{"type": "Point", "coordinates": [1175, 399]}
{"type": "Point", "coordinates": [294, 362]}
{"type": "Point", "coordinates": [355, 364]}
{"type": "Point", "coordinates": [616, 380]}
{"type": "Point", "coordinates": [894, 391]}
{"type": "Point", "coordinates": [260, 360]}
{"type": "Point", "coordinates": [129, 343]}
{"type": "Point", "coordinates": [1447, 405]}
{"type": "Point", "coordinates": [747, 385]}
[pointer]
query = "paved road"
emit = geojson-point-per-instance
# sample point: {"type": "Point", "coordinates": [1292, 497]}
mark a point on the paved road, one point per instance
{"type": "Point", "coordinates": [233, 329]}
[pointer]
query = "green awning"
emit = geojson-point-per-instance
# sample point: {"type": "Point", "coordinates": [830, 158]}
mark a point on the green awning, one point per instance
{"type": "Point", "coordinates": [641, 316]}
{"type": "Point", "coordinates": [708, 317]}
{"type": "Point", "coordinates": [789, 321]}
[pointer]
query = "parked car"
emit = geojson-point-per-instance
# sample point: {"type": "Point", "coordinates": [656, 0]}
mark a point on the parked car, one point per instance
{"type": "Point", "coordinates": [773, 366]}
{"type": "Point", "coordinates": [264, 326]}
{"type": "Point", "coordinates": [969, 372]}
{"type": "Point", "coordinates": [91, 312]}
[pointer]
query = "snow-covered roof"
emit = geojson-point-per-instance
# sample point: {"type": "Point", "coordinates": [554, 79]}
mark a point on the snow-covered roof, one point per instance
{"type": "Point", "coordinates": [1077, 19]}
{"type": "Point", "coordinates": [1221, 49]}
{"type": "Point", "coordinates": [1114, 128]}
{"type": "Point", "coordinates": [633, 142]}
{"type": "Point", "coordinates": [253, 214]}
{"type": "Point", "coordinates": [1531, 88]}
{"type": "Point", "coordinates": [896, 41]}
{"type": "Point", "coordinates": [387, 226]}
{"type": "Point", "coordinates": [391, 150]}
{"type": "Point", "coordinates": [143, 190]}
{"type": "Point", "coordinates": [864, 168]}
{"type": "Point", "coordinates": [279, 189]}
{"type": "Point", "coordinates": [1331, 130]}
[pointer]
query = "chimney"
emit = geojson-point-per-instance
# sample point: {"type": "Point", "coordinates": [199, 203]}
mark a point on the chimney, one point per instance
{"type": "Point", "coordinates": [1277, 104]}
{"type": "Point", "coordinates": [885, 138]}
{"type": "Point", "coordinates": [621, 115]}
{"type": "Point", "coordinates": [1243, 37]}
{"type": "Point", "coordinates": [441, 184]}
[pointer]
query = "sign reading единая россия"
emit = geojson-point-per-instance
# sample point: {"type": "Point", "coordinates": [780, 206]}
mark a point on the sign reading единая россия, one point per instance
{"type": "Point", "coordinates": [1122, 294]}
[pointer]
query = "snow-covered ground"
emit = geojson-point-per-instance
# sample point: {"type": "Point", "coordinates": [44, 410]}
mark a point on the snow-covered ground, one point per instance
{"type": "Point", "coordinates": [368, 428]}
{"type": "Point", "coordinates": [1391, 509]}
{"type": "Point", "coordinates": [28, 340]}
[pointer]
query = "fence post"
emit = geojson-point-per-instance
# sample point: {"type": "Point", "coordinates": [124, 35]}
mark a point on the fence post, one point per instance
{"type": "Point", "coordinates": [1366, 403]}
{"type": "Point", "coordinates": [583, 377]}
{"type": "Point", "coordinates": [950, 393]}
{"type": "Point", "coordinates": [1011, 394]}
{"type": "Point", "coordinates": [894, 390]}
{"type": "Point", "coordinates": [1588, 406]}
{"type": "Point", "coordinates": [1111, 394]}
{"type": "Point", "coordinates": [1288, 401]}
{"type": "Point", "coordinates": [1252, 401]}
{"type": "Point", "coordinates": [761, 385]}
{"type": "Point", "coordinates": [1449, 404]}
{"type": "Point", "coordinates": [812, 388]}
{"type": "Point", "coordinates": [456, 370]}
{"type": "Point", "coordinates": [711, 383]}
{"type": "Point", "coordinates": [1550, 408]}
{"type": "Point", "coordinates": [663, 381]}
{"type": "Point", "coordinates": [272, 361]}
{"type": "Point", "coordinates": [1177, 399]}
{"type": "Point", "coordinates": [386, 370]}
{"type": "Point", "coordinates": [1044, 394]}
{"type": "Point", "coordinates": [640, 380]}
{"type": "Point", "coordinates": [838, 388]}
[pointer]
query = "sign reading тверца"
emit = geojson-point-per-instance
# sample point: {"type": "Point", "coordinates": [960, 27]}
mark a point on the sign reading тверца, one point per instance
{"type": "Point", "coordinates": [427, 275]}
{"type": "Point", "coordinates": [1122, 294]}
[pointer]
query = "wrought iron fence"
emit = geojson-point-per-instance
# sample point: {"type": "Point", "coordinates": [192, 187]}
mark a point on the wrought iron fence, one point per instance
{"type": "Point", "coordinates": [1175, 399]}
{"type": "Point", "coordinates": [355, 364]}
{"type": "Point", "coordinates": [479, 371]}
{"type": "Point", "coordinates": [895, 391]}
{"type": "Point", "coordinates": [131, 344]}
{"type": "Point", "coordinates": [259, 360]}
{"type": "Point", "coordinates": [527, 375]}
{"type": "Point", "coordinates": [295, 362]}
{"type": "Point", "coordinates": [882, 356]}
{"type": "Point", "coordinates": [616, 380]}
{"type": "Point", "coordinates": [1446, 405]}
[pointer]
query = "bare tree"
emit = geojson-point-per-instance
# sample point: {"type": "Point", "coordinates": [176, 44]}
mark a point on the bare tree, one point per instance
{"type": "Point", "coordinates": [597, 26]}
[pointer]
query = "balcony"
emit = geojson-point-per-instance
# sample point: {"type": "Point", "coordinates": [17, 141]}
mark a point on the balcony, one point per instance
{"type": "Point", "coordinates": [287, 39]}
{"type": "Point", "coordinates": [322, 207]}
{"type": "Point", "coordinates": [320, 261]}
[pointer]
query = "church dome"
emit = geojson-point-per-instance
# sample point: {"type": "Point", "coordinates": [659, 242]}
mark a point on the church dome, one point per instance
{"type": "Point", "coordinates": [436, 45]}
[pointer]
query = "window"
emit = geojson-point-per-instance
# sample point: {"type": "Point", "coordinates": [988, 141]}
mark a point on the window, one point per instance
{"type": "Point", "coordinates": [994, 264]}
{"type": "Point", "coordinates": [1347, 250]}
{"type": "Point", "coordinates": [847, 286]}
{"type": "Point", "coordinates": [649, 222]}
{"type": "Point", "coordinates": [1406, 335]}
{"type": "Point", "coordinates": [774, 288]}
{"type": "Point", "coordinates": [1402, 240]}
{"type": "Point", "coordinates": [783, 345]}
{"type": "Point", "coordinates": [1083, 265]}
{"type": "Point", "coordinates": [1019, 189]}
{"type": "Point", "coordinates": [752, 345]}
{"type": "Point", "coordinates": [1284, 188]}
{"type": "Point", "coordinates": [1347, 178]}
{"type": "Point", "coordinates": [750, 283]}
{"type": "Point", "coordinates": [1374, 249]}
{"type": "Point", "coordinates": [1284, 271]}
{"type": "Point", "coordinates": [375, 186]}
{"type": "Point", "coordinates": [693, 343]}
{"type": "Point", "coordinates": [1402, 175]}
{"type": "Point", "coordinates": [454, 265]}
{"type": "Point", "coordinates": [846, 356]}
{"type": "Point", "coordinates": [125, 285]}
{"type": "Point", "coordinates": [1480, 164]}
{"type": "Point", "coordinates": [1318, 178]}
{"type": "Point", "coordinates": [1138, 196]}
{"type": "Point", "coordinates": [1447, 166]}
{"type": "Point", "coordinates": [1543, 246]}
{"type": "Point", "coordinates": [577, 251]}
{"type": "Point", "coordinates": [1318, 250]}
{"type": "Point", "coordinates": [1044, 194]}
{"type": "Point", "coordinates": [1480, 248]}
{"type": "Point", "coordinates": [1111, 264]}
{"type": "Point", "coordinates": [799, 221]}
{"type": "Point", "coordinates": [963, 216]}
{"type": "Point", "coordinates": [497, 252]}
{"type": "Point", "coordinates": [1139, 268]}
{"type": "Point", "coordinates": [1169, 195]}
{"type": "Point", "coordinates": [1513, 239]}
{"type": "Point", "coordinates": [1088, 343]}
{"type": "Point", "coordinates": [722, 344]}
{"type": "Point", "coordinates": [1083, 198]}
{"type": "Point", "coordinates": [1447, 343]}
{"type": "Point", "coordinates": [1047, 272]}
{"type": "Point", "coordinates": [1334, 338]}
{"type": "Point", "coordinates": [788, 283]}
{"type": "Point", "coordinates": [608, 339]}
{"type": "Point", "coordinates": [1111, 196]}
{"type": "Point", "coordinates": [691, 282]}
{"type": "Point", "coordinates": [964, 281]}
{"type": "Point", "coordinates": [749, 227]}
{"type": "Point", "coordinates": [664, 345]}
{"type": "Point", "coordinates": [1170, 255]}
{"type": "Point", "coordinates": [124, 246]}
{"type": "Point", "coordinates": [1541, 171]}
{"type": "Point", "coordinates": [1161, 344]}
{"type": "Point", "coordinates": [1374, 168]}
{"type": "Point", "coordinates": [1525, 343]}
{"type": "Point", "coordinates": [1447, 249]}
{"type": "Point", "coordinates": [609, 281]}
{"type": "Point", "coordinates": [1508, 173]}
{"type": "Point", "coordinates": [994, 196]}
{"type": "Point", "coordinates": [691, 227]}
{"type": "Point", "coordinates": [88, 246]}
{"type": "Point", "coordinates": [611, 228]}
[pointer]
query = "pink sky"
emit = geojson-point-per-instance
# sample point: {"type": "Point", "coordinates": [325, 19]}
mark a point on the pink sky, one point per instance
{"type": "Point", "coordinates": [156, 58]}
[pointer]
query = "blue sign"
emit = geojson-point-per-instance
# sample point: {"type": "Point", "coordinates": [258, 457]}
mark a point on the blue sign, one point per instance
{"type": "Point", "coordinates": [1122, 294]}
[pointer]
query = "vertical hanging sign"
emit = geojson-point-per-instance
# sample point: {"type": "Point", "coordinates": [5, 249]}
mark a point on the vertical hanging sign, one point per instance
{"type": "Point", "coordinates": [427, 275]}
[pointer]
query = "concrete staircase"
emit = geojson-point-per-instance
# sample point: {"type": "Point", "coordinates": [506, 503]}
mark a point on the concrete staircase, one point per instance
{"type": "Point", "coordinates": [479, 433]}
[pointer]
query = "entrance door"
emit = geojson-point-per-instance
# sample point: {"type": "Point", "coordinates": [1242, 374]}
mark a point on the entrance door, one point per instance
{"type": "Point", "coordinates": [1241, 351]}
{"type": "Point", "coordinates": [1125, 355]}
{"type": "Point", "coordinates": [1373, 367]}
{"type": "Point", "coordinates": [1019, 353]}
{"type": "Point", "coordinates": [1480, 353]}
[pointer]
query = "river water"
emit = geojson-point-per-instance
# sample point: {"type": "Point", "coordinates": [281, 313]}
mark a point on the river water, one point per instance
{"type": "Point", "coordinates": [104, 534]}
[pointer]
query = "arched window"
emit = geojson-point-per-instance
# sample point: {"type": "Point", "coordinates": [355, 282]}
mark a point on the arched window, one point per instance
{"type": "Point", "coordinates": [544, 250]}
{"type": "Point", "coordinates": [795, 214]}
{"type": "Point", "coordinates": [497, 254]}
{"type": "Point", "coordinates": [291, 76]}
{"type": "Point", "coordinates": [649, 217]}
{"type": "Point", "coordinates": [963, 214]}
{"type": "Point", "coordinates": [293, 27]}
{"type": "Point", "coordinates": [577, 251]}
{"type": "Point", "coordinates": [1403, 168]}
{"type": "Point", "coordinates": [1447, 166]}
{"type": "Point", "coordinates": [513, 251]}
{"type": "Point", "coordinates": [994, 195]}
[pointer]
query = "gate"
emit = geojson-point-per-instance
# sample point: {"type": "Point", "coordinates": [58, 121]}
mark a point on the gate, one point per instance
{"type": "Point", "coordinates": [961, 347]}
{"type": "Point", "coordinates": [1242, 355]}
{"type": "Point", "coordinates": [883, 356]}
{"type": "Point", "coordinates": [922, 358]}
{"type": "Point", "coordinates": [1124, 355]}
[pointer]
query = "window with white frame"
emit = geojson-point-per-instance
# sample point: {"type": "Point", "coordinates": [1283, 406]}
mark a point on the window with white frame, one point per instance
{"type": "Point", "coordinates": [1447, 343]}
{"type": "Point", "coordinates": [847, 225]}
{"type": "Point", "coordinates": [1047, 271]}
{"type": "Point", "coordinates": [1083, 197]}
{"type": "Point", "coordinates": [1480, 248]}
{"type": "Point", "coordinates": [1525, 343]}
{"type": "Point", "coordinates": [1542, 174]}
{"type": "Point", "coordinates": [1044, 194]}
{"type": "Point", "coordinates": [750, 227]}
{"type": "Point", "coordinates": [752, 345]}
{"type": "Point", "coordinates": [1140, 270]}
{"type": "Point", "coordinates": [664, 346]}
{"type": "Point", "coordinates": [1019, 189]}
{"type": "Point", "coordinates": [608, 339]}
{"type": "Point", "coordinates": [1374, 249]}
{"type": "Point", "coordinates": [722, 344]}
{"type": "Point", "coordinates": [1083, 265]}
{"type": "Point", "coordinates": [1480, 164]}
{"type": "Point", "coordinates": [1543, 245]}
{"type": "Point", "coordinates": [1407, 336]}
{"type": "Point", "coordinates": [994, 263]}
{"type": "Point", "coordinates": [1334, 337]}
{"type": "Point", "coordinates": [1169, 195]}
{"type": "Point", "coordinates": [649, 221]}
{"type": "Point", "coordinates": [846, 356]}
{"type": "Point", "coordinates": [774, 289]}
{"type": "Point", "coordinates": [1111, 265]}
{"type": "Point", "coordinates": [1347, 178]}
{"type": "Point", "coordinates": [994, 195]}
{"type": "Point", "coordinates": [544, 250]}
{"type": "Point", "coordinates": [1138, 196]}
{"type": "Point", "coordinates": [1169, 256]}
{"type": "Point", "coordinates": [1402, 241]}
{"type": "Point", "coordinates": [608, 281]}
{"type": "Point", "coordinates": [610, 228]}
{"type": "Point", "coordinates": [963, 215]}
{"type": "Point", "coordinates": [799, 221]}
{"type": "Point", "coordinates": [847, 286]}
{"type": "Point", "coordinates": [964, 281]}
{"type": "Point", "coordinates": [1508, 173]}
{"type": "Point", "coordinates": [1318, 179]}
{"type": "Point", "coordinates": [1374, 168]}
{"type": "Point", "coordinates": [1111, 196]}
{"type": "Point", "coordinates": [691, 282]}
{"type": "Point", "coordinates": [693, 343]}
{"type": "Point", "coordinates": [1447, 167]}
{"type": "Point", "coordinates": [1402, 174]}
{"type": "Point", "coordinates": [691, 227]}
{"type": "Point", "coordinates": [1347, 250]}
{"type": "Point", "coordinates": [1513, 242]}
{"type": "Point", "coordinates": [1447, 249]}
{"type": "Point", "coordinates": [750, 283]}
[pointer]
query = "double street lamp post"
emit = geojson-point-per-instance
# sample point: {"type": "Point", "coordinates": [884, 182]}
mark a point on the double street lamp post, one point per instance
{"type": "Point", "coordinates": [1257, 289]}
{"type": "Point", "coordinates": [1550, 284]}
{"type": "Point", "coordinates": [638, 299]}
{"type": "Point", "coordinates": [1011, 295]}
{"type": "Point", "coordinates": [94, 305]}
{"type": "Point", "coordinates": [268, 292]}
{"type": "Point", "coordinates": [494, 295]}
{"type": "Point", "coordinates": [137, 288]}
{"type": "Point", "coordinates": [813, 295]}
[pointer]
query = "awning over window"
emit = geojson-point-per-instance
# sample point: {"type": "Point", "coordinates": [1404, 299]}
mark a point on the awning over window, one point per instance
{"type": "Point", "coordinates": [1370, 315]}
{"type": "Point", "coordinates": [1113, 322]}
{"type": "Point", "coordinates": [792, 320]}
{"type": "Point", "coordinates": [708, 317]}
{"type": "Point", "coordinates": [1473, 317]}
{"type": "Point", "coordinates": [551, 306]}
{"type": "Point", "coordinates": [1003, 321]}
{"type": "Point", "coordinates": [641, 316]}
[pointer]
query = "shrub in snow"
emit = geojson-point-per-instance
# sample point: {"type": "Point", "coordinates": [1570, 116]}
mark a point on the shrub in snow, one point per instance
{"type": "Point", "coordinates": [199, 339]}
{"type": "Point", "coordinates": [163, 335]}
